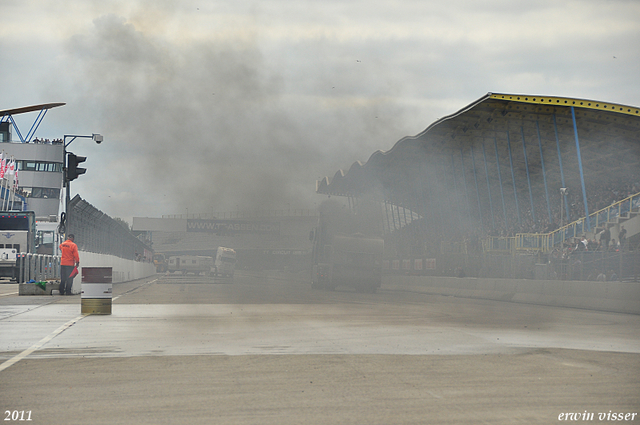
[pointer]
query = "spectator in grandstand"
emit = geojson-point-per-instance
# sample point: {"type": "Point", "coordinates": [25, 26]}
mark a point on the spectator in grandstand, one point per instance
{"type": "Point", "coordinates": [69, 259]}
{"type": "Point", "coordinates": [601, 277]}
{"type": "Point", "coordinates": [615, 246]}
{"type": "Point", "coordinates": [613, 277]}
{"type": "Point", "coordinates": [605, 237]}
{"type": "Point", "coordinates": [622, 236]}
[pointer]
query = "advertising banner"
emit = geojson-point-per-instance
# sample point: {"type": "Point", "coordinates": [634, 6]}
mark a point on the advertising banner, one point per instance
{"type": "Point", "coordinates": [232, 227]}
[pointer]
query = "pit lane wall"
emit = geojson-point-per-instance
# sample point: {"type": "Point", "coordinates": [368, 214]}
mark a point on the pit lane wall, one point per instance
{"type": "Point", "coordinates": [619, 297]}
{"type": "Point", "coordinates": [123, 270]}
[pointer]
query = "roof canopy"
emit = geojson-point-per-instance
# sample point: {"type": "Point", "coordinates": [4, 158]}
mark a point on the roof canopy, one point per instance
{"type": "Point", "coordinates": [32, 108]}
{"type": "Point", "coordinates": [532, 135]}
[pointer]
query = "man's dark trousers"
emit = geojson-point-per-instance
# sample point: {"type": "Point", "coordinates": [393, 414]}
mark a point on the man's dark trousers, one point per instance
{"type": "Point", "coordinates": [65, 281]}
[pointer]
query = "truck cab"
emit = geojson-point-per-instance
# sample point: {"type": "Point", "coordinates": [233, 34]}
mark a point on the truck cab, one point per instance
{"type": "Point", "coordinates": [225, 262]}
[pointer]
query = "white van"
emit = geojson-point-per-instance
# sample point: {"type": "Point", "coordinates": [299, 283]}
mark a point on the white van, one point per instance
{"type": "Point", "coordinates": [225, 263]}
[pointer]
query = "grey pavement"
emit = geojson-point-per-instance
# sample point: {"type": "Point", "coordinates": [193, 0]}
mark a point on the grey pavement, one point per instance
{"type": "Point", "coordinates": [269, 350]}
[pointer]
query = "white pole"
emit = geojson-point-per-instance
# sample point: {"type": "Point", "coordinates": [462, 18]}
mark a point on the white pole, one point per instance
{"type": "Point", "coordinates": [6, 196]}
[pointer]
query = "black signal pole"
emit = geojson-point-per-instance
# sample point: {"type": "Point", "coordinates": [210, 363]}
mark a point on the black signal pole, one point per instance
{"type": "Point", "coordinates": [76, 171]}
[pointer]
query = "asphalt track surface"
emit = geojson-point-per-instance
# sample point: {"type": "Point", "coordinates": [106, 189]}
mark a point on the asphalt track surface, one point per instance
{"type": "Point", "coordinates": [269, 350]}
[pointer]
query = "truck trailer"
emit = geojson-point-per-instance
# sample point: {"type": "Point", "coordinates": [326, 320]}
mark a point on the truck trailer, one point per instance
{"type": "Point", "coordinates": [17, 236]}
{"type": "Point", "coordinates": [195, 264]}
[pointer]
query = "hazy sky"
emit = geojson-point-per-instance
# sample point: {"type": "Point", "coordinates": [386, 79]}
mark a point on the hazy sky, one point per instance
{"type": "Point", "coordinates": [217, 105]}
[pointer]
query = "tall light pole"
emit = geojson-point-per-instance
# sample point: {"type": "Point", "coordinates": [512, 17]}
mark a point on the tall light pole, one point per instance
{"type": "Point", "coordinates": [70, 170]}
{"type": "Point", "coordinates": [563, 193]}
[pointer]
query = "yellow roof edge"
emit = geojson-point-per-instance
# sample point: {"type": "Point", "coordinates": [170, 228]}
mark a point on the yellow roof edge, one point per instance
{"type": "Point", "coordinates": [567, 101]}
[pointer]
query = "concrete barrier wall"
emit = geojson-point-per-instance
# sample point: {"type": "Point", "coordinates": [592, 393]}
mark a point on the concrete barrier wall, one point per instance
{"type": "Point", "coordinates": [620, 297]}
{"type": "Point", "coordinates": [123, 270]}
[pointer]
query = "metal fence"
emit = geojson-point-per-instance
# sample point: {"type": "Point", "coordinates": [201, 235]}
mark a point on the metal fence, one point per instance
{"type": "Point", "coordinates": [587, 265]}
{"type": "Point", "coordinates": [546, 242]}
{"type": "Point", "coordinates": [95, 231]}
{"type": "Point", "coordinates": [38, 267]}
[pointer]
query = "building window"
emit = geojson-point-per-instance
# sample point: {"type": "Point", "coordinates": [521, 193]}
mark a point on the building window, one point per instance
{"type": "Point", "coordinates": [55, 167]}
{"type": "Point", "coordinates": [41, 192]}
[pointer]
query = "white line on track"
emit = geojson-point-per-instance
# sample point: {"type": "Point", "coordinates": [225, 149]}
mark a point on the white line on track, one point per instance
{"type": "Point", "coordinates": [39, 344]}
{"type": "Point", "coordinates": [55, 333]}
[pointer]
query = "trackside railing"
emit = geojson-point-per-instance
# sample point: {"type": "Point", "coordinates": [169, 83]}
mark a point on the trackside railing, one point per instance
{"type": "Point", "coordinates": [499, 244]}
{"type": "Point", "coordinates": [597, 219]}
{"type": "Point", "coordinates": [546, 242]}
{"type": "Point", "coordinates": [38, 267]}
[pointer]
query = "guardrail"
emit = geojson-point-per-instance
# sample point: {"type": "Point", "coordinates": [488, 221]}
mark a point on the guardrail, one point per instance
{"type": "Point", "coordinates": [38, 267]}
{"type": "Point", "coordinates": [581, 226]}
{"type": "Point", "coordinates": [545, 242]}
{"type": "Point", "coordinates": [499, 244]}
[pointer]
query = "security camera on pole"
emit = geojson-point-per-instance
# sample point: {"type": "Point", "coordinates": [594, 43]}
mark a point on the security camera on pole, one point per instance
{"type": "Point", "coordinates": [71, 169]}
{"type": "Point", "coordinates": [563, 194]}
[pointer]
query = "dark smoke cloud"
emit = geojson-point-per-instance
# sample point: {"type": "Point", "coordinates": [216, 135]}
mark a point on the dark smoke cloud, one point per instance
{"type": "Point", "coordinates": [210, 125]}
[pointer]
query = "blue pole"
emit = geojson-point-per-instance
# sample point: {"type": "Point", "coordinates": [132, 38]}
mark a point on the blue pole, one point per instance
{"type": "Point", "coordinates": [464, 183]}
{"type": "Point", "coordinates": [566, 203]}
{"type": "Point", "coordinates": [386, 212]}
{"type": "Point", "coordinates": [15, 126]}
{"type": "Point", "coordinates": [584, 189]}
{"type": "Point", "coordinates": [526, 166]}
{"type": "Point", "coordinates": [431, 190]}
{"type": "Point", "coordinates": [486, 173]}
{"type": "Point", "coordinates": [544, 173]}
{"type": "Point", "coordinates": [423, 194]}
{"type": "Point", "coordinates": [455, 185]}
{"type": "Point", "coordinates": [404, 213]}
{"type": "Point", "coordinates": [504, 207]}
{"type": "Point", "coordinates": [393, 217]}
{"type": "Point", "coordinates": [475, 177]}
{"type": "Point", "coordinates": [513, 177]}
{"type": "Point", "coordinates": [450, 194]}
{"type": "Point", "coordinates": [35, 124]}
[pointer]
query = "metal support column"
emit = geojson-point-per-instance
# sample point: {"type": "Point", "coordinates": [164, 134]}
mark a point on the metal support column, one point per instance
{"type": "Point", "coordinates": [566, 202]}
{"type": "Point", "coordinates": [464, 184]}
{"type": "Point", "coordinates": [584, 189]}
{"type": "Point", "coordinates": [455, 196]}
{"type": "Point", "coordinates": [386, 212]}
{"type": "Point", "coordinates": [526, 166]}
{"type": "Point", "coordinates": [423, 195]}
{"type": "Point", "coordinates": [486, 173]}
{"type": "Point", "coordinates": [544, 173]}
{"type": "Point", "coordinates": [513, 177]}
{"type": "Point", "coordinates": [475, 178]}
{"type": "Point", "coordinates": [504, 206]}
{"type": "Point", "coordinates": [398, 214]}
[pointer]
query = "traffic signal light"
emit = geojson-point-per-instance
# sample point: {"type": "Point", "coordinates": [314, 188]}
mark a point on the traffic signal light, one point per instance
{"type": "Point", "coordinates": [73, 171]}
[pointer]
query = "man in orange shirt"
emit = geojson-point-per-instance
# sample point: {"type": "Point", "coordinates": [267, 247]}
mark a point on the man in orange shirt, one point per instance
{"type": "Point", "coordinates": [68, 260]}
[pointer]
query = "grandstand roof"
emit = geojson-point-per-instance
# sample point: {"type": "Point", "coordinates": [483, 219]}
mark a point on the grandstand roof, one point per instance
{"type": "Point", "coordinates": [481, 136]}
{"type": "Point", "coordinates": [32, 108]}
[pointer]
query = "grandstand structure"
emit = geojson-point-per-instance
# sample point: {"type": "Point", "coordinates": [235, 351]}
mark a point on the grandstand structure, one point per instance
{"type": "Point", "coordinates": [507, 174]}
